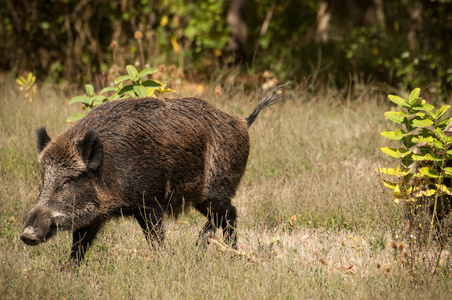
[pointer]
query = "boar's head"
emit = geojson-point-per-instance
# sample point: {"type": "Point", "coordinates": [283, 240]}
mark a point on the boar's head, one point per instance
{"type": "Point", "coordinates": [68, 199]}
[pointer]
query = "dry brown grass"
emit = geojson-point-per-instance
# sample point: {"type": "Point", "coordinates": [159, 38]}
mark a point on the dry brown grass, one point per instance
{"type": "Point", "coordinates": [314, 222]}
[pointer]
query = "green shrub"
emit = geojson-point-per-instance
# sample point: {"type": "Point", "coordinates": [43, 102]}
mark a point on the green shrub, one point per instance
{"type": "Point", "coordinates": [138, 87]}
{"type": "Point", "coordinates": [420, 178]}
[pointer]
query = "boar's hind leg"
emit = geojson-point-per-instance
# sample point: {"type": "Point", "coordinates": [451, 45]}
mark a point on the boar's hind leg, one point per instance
{"type": "Point", "coordinates": [82, 239]}
{"type": "Point", "coordinates": [151, 221]}
{"type": "Point", "coordinates": [218, 214]}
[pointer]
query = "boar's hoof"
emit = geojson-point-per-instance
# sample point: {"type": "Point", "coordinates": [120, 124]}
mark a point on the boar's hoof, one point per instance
{"type": "Point", "coordinates": [204, 238]}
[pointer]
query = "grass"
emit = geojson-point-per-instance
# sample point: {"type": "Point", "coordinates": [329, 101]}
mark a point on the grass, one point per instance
{"type": "Point", "coordinates": [314, 221]}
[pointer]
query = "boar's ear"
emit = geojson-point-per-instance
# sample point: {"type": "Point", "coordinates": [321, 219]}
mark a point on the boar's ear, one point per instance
{"type": "Point", "coordinates": [91, 149]}
{"type": "Point", "coordinates": [43, 138]}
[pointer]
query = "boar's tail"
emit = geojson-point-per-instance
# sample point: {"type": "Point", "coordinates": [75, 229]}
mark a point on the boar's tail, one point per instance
{"type": "Point", "coordinates": [274, 96]}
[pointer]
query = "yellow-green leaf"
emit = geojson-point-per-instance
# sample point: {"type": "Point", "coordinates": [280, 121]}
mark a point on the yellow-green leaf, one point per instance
{"type": "Point", "coordinates": [399, 101]}
{"type": "Point", "coordinates": [421, 122]}
{"type": "Point", "coordinates": [75, 117]}
{"type": "Point", "coordinates": [444, 189]}
{"type": "Point", "coordinates": [398, 193]}
{"type": "Point", "coordinates": [399, 172]}
{"type": "Point", "coordinates": [396, 116]}
{"type": "Point", "coordinates": [387, 171]}
{"type": "Point", "coordinates": [427, 172]}
{"type": "Point", "coordinates": [390, 135]}
{"type": "Point", "coordinates": [132, 71]}
{"type": "Point", "coordinates": [421, 139]}
{"type": "Point", "coordinates": [414, 95]}
{"type": "Point", "coordinates": [389, 184]}
{"type": "Point", "coordinates": [448, 171]}
{"type": "Point", "coordinates": [440, 134]}
{"type": "Point", "coordinates": [441, 111]}
{"type": "Point", "coordinates": [397, 153]}
{"type": "Point", "coordinates": [89, 89]}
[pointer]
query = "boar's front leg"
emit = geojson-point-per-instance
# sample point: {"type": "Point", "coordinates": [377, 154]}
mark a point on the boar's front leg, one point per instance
{"type": "Point", "coordinates": [151, 222]}
{"type": "Point", "coordinates": [82, 239]}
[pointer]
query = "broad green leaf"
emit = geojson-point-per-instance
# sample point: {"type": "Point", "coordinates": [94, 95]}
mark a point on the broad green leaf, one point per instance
{"type": "Point", "coordinates": [437, 144]}
{"type": "Point", "coordinates": [421, 139]}
{"type": "Point", "coordinates": [390, 151]}
{"type": "Point", "coordinates": [397, 153]}
{"type": "Point", "coordinates": [443, 124]}
{"type": "Point", "coordinates": [432, 157]}
{"type": "Point", "coordinates": [147, 71]}
{"type": "Point", "coordinates": [123, 78]}
{"type": "Point", "coordinates": [425, 157]}
{"type": "Point", "coordinates": [448, 171]}
{"type": "Point", "coordinates": [75, 117]}
{"type": "Point", "coordinates": [421, 122]}
{"type": "Point", "coordinates": [400, 133]}
{"type": "Point", "coordinates": [399, 101]}
{"type": "Point", "coordinates": [417, 157]}
{"type": "Point", "coordinates": [83, 99]}
{"type": "Point", "coordinates": [99, 99]}
{"type": "Point", "coordinates": [152, 84]}
{"type": "Point", "coordinates": [114, 97]}
{"type": "Point", "coordinates": [440, 134]}
{"type": "Point", "coordinates": [396, 116]}
{"type": "Point", "coordinates": [132, 72]}
{"type": "Point", "coordinates": [428, 172]}
{"type": "Point", "coordinates": [126, 89]}
{"type": "Point", "coordinates": [449, 140]}
{"type": "Point", "coordinates": [422, 105]}
{"type": "Point", "coordinates": [89, 89]}
{"type": "Point", "coordinates": [414, 95]}
{"type": "Point", "coordinates": [441, 111]}
{"type": "Point", "coordinates": [140, 91]}
{"type": "Point", "coordinates": [108, 89]}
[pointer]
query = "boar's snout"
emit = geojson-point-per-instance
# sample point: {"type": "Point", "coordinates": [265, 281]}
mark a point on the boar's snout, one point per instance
{"type": "Point", "coordinates": [29, 237]}
{"type": "Point", "coordinates": [39, 227]}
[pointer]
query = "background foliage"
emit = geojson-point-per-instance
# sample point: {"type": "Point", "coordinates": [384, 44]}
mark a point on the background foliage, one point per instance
{"type": "Point", "coordinates": [404, 44]}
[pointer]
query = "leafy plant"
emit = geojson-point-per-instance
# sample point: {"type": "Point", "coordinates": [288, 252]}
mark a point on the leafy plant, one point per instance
{"type": "Point", "coordinates": [138, 87]}
{"type": "Point", "coordinates": [424, 153]}
{"type": "Point", "coordinates": [422, 178]}
{"type": "Point", "coordinates": [28, 85]}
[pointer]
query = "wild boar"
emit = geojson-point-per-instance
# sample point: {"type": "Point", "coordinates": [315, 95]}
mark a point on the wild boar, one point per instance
{"type": "Point", "coordinates": [145, 158]}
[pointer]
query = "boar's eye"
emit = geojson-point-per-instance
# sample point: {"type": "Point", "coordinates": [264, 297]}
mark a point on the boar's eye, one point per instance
{"type": "Point", "coordinates": [66, 182]}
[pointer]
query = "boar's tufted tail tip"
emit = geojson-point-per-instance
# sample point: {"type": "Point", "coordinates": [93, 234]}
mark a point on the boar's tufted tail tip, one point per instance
{"type": "Point", "coordinates": [274, 96]}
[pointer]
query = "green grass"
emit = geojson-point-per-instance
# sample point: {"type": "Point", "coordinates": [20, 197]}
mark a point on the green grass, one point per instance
{"type": "Point", "coordinates": [312, 157]}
